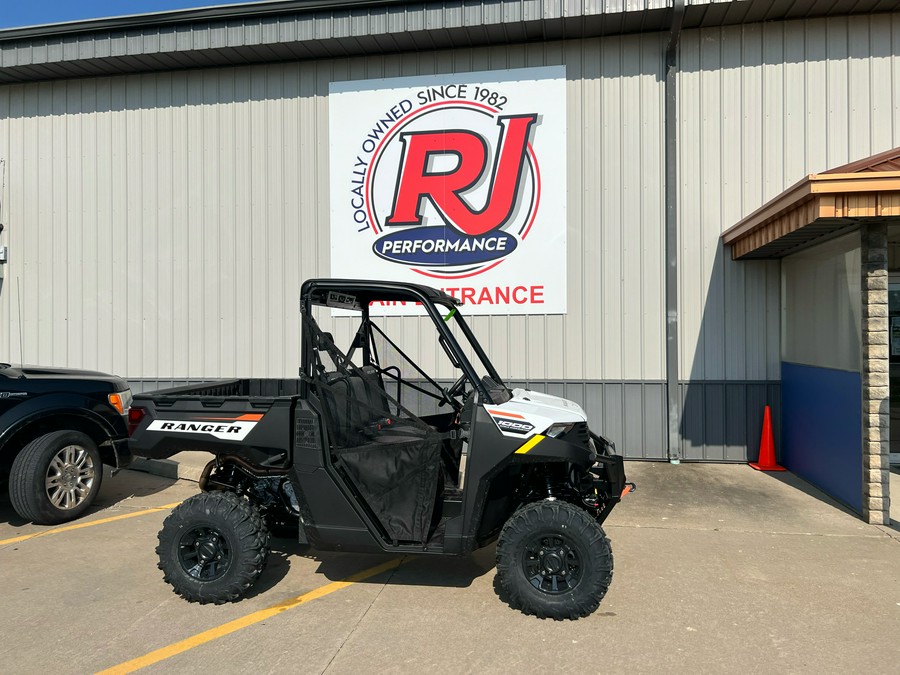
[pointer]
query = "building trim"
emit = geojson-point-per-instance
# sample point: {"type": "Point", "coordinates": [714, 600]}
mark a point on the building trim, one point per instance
{"type": "Point", "coordinates": [818, 206]}
{"type": "Point", "coordinates": [673, 401]}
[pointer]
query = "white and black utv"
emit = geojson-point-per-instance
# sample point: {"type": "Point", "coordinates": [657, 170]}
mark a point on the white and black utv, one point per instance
{"type": "Point", "coordinates": [369, 452]}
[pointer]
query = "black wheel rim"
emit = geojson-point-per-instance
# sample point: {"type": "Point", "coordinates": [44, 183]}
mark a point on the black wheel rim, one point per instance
{"type": "Point", "coordinates": [204, 553]}
{"type": "Point", "coordinates": [552, 563]}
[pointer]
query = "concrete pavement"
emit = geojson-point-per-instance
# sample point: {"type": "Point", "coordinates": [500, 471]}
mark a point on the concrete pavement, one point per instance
{"type": "Point", "coordinates": [718, 568]}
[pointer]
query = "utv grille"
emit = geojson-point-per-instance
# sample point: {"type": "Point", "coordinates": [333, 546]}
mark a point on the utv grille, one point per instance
{"type": "Point", "coordinates": [579, 434]}
{"type": "Point", "coordinates": [306, 431]}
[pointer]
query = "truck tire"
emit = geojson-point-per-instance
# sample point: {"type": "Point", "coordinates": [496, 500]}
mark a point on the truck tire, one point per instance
{"type": "Point", "coordinates": [56, 477]}
{"type": "Point", "coordinates": [213, 547]}
{"type": "Point", "coordinates": [554, 561]}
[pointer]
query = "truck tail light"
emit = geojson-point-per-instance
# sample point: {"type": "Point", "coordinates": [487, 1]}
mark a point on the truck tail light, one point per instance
{"type": "Point", "coordinates": [135, 416]}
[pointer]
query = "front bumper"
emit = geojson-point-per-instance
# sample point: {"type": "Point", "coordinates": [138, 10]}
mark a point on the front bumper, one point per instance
{"type": "Point", "coordinates": [610, 473]}
{"type": "Point", "coordinates": [609, 476]}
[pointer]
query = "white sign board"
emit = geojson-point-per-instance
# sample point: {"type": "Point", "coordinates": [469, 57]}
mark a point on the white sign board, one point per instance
{"type": "Point", "coordinates": [453, 181]}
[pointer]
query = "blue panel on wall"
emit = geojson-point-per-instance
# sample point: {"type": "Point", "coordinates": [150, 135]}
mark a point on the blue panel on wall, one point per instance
{"type": "Point", "coordinates": [822, 429]}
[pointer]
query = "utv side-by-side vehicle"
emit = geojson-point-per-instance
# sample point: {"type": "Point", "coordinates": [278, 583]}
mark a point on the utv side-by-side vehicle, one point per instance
{"type": "Point", "coordinates": [368, 451]}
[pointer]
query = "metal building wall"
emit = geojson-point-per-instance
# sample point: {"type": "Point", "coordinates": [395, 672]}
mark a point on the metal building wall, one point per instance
{"type": "Point", "coordinates": [160, 225]}
{"type": "Point", "coordinates": [761, 106]}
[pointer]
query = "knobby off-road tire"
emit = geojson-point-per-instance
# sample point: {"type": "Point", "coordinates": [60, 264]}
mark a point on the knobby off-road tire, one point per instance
{"type": "Point", "coordinates": [554, 561]}
{"type": "Point", "coordinates": [213, 547]}
{"type": "Point", "coordinates": [56, 477]}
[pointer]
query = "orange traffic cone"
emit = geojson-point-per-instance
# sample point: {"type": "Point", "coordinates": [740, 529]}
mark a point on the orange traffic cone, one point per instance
{"type": "Point", "coordinates": [767, 447]}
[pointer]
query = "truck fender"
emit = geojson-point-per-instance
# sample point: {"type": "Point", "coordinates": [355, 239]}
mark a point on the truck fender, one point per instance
{"type": "Point", "coordinates": [44, 408]}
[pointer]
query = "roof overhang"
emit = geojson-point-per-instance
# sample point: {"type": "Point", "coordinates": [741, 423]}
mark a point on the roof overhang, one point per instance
{"type": "Point", "coordinates": [817, 208]}
{"type": "Point", "coordinates": [288, 30]}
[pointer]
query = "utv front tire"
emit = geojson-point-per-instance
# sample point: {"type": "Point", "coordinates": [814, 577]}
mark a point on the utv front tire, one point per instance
{"type": "Point", "coordinates": [56, 477]}
{"type": "Point", "coordinates": [554, 561]}
{"type": "Point", "coordinates": [213, 547]}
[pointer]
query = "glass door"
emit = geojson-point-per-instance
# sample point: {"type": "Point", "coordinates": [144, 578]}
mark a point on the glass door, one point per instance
{"type": "Point", "coordinates": [894, 350]}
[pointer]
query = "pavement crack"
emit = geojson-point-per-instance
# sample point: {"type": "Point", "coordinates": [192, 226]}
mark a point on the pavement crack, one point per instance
{"type": "Point", "coordinates": [362, 616]}
{"type": "Point", "coordinates": [890, 532]}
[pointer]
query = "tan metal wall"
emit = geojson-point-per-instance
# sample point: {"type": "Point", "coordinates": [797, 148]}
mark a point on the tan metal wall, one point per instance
{"type": "Point", "coordinates": [762, 106]}
{"type": "Point", "coordinates": [160, 225]}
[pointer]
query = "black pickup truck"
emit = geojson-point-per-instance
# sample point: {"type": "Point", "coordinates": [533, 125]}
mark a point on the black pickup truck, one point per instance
{"type": "Point", "coordinates": [57, 429]}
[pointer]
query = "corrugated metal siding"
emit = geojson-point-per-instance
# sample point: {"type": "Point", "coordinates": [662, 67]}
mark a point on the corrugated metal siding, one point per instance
{"type": "Point", "coordinates": [760, 107]}
{"type": "Point", "coordinates": [160, 225]}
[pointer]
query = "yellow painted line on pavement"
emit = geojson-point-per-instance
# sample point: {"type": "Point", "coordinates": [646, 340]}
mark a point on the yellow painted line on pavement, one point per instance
{"type": "Point", "coordinates": [244, 621]}
{"type": "Point", "coordinates": [90, 523]}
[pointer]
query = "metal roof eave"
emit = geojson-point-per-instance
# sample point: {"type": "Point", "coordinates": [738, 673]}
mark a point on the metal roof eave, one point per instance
{"type": "Point", "coordinates": [292, 29]}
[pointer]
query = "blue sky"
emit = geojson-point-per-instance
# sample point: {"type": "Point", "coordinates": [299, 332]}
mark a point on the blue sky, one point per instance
{"type": "Point", "coordinates": [16, 13]}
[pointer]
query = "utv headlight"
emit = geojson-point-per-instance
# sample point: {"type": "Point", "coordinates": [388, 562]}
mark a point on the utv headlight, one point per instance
{"type": "Point", "coordinates": [557, 430]}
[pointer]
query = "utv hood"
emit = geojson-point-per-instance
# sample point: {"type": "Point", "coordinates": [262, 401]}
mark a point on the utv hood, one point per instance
{"type": "Point", "coordinates": [530, 412]}
{"type": "Point", "coordinates": [555, 408]}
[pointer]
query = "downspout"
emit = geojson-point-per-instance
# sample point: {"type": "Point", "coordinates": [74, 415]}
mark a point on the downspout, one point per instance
{"type": "Point", "coordinates": [673, 396]}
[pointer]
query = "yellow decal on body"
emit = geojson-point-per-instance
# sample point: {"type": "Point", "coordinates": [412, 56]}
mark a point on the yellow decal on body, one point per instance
{"type": "Point", "coordinates": [529, 444]}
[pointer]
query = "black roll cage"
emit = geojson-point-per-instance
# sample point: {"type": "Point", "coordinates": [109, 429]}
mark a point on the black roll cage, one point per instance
{"type": "Point", "coordinates": [315, 292]}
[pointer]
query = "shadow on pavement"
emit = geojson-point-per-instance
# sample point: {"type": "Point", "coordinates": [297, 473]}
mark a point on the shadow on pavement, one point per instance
{"type": "Point", "coordinates": [114, 491]}
{"type": "Point", "coordinates": [794, 481]}
{"type": "Point", "coordinates": [414, 570]}
{"type": "Point", "coordinates": [277, 568]}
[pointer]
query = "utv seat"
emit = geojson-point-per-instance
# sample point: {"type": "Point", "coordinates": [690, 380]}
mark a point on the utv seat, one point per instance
{"type": "Point", "coordinates": [361, 412]}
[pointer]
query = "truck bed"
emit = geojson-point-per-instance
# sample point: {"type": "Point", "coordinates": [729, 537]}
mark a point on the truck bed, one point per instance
{"type": "Point", "coordinates": [251, 418]}
{"type": "Point", "coordinates": [242, 388]}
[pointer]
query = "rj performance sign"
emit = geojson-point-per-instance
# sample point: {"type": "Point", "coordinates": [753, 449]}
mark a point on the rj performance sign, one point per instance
{"type": "Point", "coordinates": [454, 181]}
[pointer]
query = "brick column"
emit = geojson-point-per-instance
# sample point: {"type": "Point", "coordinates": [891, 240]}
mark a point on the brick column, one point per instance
{"type": "Point", "coordinates": [875, 375]}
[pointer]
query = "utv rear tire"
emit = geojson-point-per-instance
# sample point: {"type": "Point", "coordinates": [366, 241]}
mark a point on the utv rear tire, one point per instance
{"type": "Point", "coordinates": [554, 561]}
{"type": "Point", "coordinates": [213, 547]}
{"type": "Point", "coordinates": [56, 477]}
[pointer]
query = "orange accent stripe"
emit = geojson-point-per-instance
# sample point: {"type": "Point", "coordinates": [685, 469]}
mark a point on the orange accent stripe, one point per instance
{"type": "Point", "coordinates": [625, 491]}
{"type": "Point", "coordinates": [505, 414]}
{"type": "Point", "coordinates": [242, 418]}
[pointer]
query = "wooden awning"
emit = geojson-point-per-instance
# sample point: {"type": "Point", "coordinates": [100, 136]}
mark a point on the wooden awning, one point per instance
{"type": "Point", "coordinates": [819, 207]}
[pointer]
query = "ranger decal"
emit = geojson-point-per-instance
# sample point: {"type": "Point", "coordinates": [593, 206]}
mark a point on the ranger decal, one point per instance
{"type": "Point", "coordinates": [227, 431]}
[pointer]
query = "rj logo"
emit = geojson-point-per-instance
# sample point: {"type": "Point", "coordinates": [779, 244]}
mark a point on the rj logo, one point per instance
{"type": "Point", "coordinates": [417, 181]}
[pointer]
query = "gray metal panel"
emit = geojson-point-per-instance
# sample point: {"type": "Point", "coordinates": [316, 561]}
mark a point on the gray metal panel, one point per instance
{"type": "Point", "coordinates": [763, 105]}
{"type": "Point", "coordinates": [722, 421]}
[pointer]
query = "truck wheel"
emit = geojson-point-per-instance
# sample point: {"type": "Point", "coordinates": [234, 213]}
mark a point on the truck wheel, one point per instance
{"type": "Point", "coordinates": [55, 477]}
{"type": "Point", "coordinates": [212, 547]}
{"type": "Point", "coordinates": [554, 561]}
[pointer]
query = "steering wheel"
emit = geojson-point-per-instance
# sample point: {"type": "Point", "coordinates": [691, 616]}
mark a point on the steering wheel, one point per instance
{"type": "Point", "coordinates": [454, 389]}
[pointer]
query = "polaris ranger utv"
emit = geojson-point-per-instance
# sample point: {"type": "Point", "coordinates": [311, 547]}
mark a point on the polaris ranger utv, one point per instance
{"type": "Point", "coordinates": [368, 452]}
